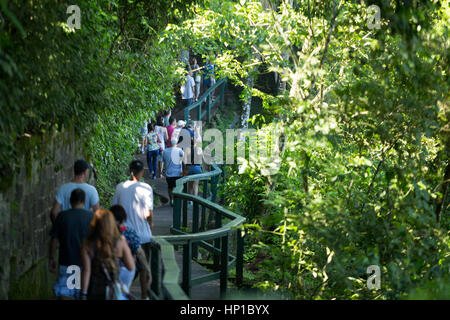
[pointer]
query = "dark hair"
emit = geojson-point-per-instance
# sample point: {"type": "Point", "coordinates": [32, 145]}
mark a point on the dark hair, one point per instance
{"type": "Point", "coordinates": [150, 126]}
{"type": "Point", "coordinates": [136, 166]}
{"type": "Point", "coordinates": [77, 197]}
{"type": "Point", "coordinates": [172, 120]}
{"type": "Point", "coordinates": [166, 113]}
{"type": "Point", "coordinates": [119, 213]}
{"type": "Point", "coordinates": [80, 166]}
{"type": "Point", "coordinates": [180, 139]}
{"type": "Point", "coordinates": [160, 121]}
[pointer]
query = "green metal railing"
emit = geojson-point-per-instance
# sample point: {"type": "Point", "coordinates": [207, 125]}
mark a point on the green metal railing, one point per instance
{"type": "Point", "coordinates": [216, 241]}
{"type": "Point", "coordinates": [203, 106]}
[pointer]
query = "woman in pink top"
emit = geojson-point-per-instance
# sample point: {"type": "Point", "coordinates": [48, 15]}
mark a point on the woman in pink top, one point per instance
{"type": "Point", "coordinates": [170, 128]}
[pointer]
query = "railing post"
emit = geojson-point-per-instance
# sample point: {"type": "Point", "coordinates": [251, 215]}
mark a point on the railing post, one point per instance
{"type": "Point", "coordinates": [222, 91]}
{"type": "Point", "coordinates": [218, 225]}
{"type": "Point", "coordinates": [224, 266]}
{"type": "Point", "coordinates": [186, 114]}
{"type": "Point", "coordinates": [185, 207]}
{"type": "Point", "coordinates": [208, 108]}
{"type": "Point", "coordinates": [177, 213]}
{"type": "Point", "coordinates": [195, 223]}
{"type": "Point", "coordinates": [205, 195]}
{"type": "Point", "coordinates": [239, 256]}
{"type": "Point", "coordinates": [156, 269]}
{"type": "Point", "coordinates": [187, 256]}
{"type": "Point", "coordinates": [222, 196]}
{"type": "Point", "coordinates": [214, 181]}
{"type": "Point", "coordinates": [199, 112]}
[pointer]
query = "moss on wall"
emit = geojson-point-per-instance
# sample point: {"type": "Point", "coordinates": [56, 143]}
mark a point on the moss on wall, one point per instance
{"type": "Point", "coordinates": [34, 284]}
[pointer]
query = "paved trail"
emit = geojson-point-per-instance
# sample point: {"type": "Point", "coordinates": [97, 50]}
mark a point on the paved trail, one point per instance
{"type": "Point", "coordinates": [162, 221]}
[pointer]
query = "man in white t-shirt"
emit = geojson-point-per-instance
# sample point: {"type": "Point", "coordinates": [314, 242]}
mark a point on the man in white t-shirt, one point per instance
{"type": "Point", "coordinates": [62, 198]}
{"type": "Point", "coordinates": [188, 94]}
{"type": "Point", "coordinates": [137, 199]}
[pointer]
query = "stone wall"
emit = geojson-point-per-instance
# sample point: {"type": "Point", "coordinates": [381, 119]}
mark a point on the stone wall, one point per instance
{"type": "Point", "coordinates": [25, 222]}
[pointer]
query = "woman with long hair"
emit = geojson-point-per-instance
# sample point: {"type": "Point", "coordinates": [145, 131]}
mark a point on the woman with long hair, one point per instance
{"type": "Point", "coordinates": [100, 255]}
{"type": "Point", "coordinates": [161, 130]}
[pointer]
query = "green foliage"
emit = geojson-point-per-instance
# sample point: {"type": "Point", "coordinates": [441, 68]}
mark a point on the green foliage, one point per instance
{"type": "Point", "coordinates": [365, 162]}
{"type": "Point", "coordinates": [100, 81]}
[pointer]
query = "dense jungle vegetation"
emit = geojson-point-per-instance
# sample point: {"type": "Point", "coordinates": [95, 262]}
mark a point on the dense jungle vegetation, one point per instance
{"type": "Point", "coordinates": [363, 115]}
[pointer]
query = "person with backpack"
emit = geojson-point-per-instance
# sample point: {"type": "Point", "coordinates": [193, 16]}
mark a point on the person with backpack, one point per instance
{"type": "Point", "coordinates": [153, 149]}
{"type": "Point", "coordinates": [100, 255]}
{"type": "Point", "coordinates": [188, 89]}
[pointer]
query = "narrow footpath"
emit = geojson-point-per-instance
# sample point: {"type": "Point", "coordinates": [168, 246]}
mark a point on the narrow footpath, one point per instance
{"type": "Point", "coordinates": [162, 220]}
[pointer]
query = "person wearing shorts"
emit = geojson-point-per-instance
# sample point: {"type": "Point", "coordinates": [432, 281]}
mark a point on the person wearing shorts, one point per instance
{"type": "Point", "coordinates": [173, 159]}
{"type": "Point", "coordinates": [69, 230]}
{"type": "Point", "coordinates": [137, 199]}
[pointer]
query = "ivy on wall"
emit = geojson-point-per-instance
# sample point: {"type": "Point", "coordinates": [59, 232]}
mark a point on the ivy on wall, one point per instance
{"type": "Point", "coordinates": [100, 81]}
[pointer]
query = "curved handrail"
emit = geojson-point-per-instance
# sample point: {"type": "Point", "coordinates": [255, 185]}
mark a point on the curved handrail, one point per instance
{"type": "Point", "coordinates": [222, 231]}
{"type": "Point", "coordinates": [177, 192]}
{"type": "Point", "coordinates": [204, 98]}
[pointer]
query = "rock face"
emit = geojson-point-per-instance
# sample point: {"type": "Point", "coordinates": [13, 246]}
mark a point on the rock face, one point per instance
{"type": "Point", "coordinates": [25, 222]}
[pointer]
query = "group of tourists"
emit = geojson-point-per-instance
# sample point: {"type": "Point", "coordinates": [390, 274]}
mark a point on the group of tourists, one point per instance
{"type": "Point", "coordinates": [112, 246]}
{"type": "Point", "coordinates": [190, 90]}
{"type": "Point", "coordinates": [109, 246]}
{"type": "Point", "coordinates": [166, 157]}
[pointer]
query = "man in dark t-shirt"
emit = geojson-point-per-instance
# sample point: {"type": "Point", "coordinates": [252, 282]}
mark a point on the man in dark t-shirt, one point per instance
{"type": "Point", "coordinates": [70, 229]}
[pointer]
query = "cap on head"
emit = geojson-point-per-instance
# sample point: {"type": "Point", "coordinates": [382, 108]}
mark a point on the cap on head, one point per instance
{"type": "Point", "coordinates": [181, 123]}
{"type": "Point", "coordinates": [80, 167]}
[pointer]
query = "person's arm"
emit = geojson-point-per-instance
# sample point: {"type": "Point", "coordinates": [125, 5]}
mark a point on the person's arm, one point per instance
{"type": "Point", "coordinates": [166, 134]}
{"type": "Point", "coordinates": [86, 271]}
{"type": "Point", "coordinates": [95, 207]}
{"type": "Point", "coordinates": [55, 210]}
{"type": "Point", "coordinates": [193, 87]}
{"type": "Point", "coordinates": [127, 257]}
{"type": "Point", "coordinates": [95, 199]}
{"type": "Point", "coordinates": [149, 218]}
{"type": "Point", "coordinates": [51, 255]}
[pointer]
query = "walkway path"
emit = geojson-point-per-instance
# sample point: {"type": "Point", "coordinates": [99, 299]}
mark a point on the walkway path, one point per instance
{"type": "Point", "coordinates": [162, 220]}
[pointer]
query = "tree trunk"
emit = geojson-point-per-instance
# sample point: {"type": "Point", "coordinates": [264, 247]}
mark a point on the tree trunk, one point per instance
{"type": "Point", "coordinates": [441, 202]}
{"type": "Point", "coordinates": [248, 98]}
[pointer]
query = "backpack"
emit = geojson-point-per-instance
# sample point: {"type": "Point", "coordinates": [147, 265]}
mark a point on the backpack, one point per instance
{"type": "Point", "coordinates": [115, 289]}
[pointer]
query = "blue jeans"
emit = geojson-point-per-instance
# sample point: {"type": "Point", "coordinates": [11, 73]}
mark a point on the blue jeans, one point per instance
{"type": "Point", "coordinates": [188, 102]}
{"type": "Point", "coordinates": [61, 286]}
{"type": "Point", "coordinates": [152, 161]}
